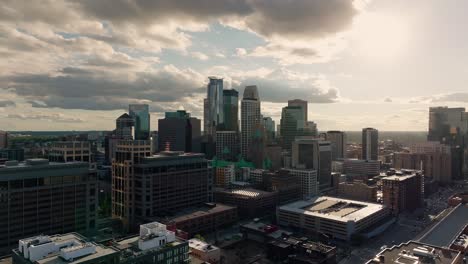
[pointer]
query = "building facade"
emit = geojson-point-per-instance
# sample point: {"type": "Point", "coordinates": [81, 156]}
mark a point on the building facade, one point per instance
{"type": "Point", "coordinates": [67, 151]}
{"type": "Point", "coordinates": [310, 153]}
{"type": "Point", "coordinates": [303, 105]}
{"type": "Point", "coordinates": [292, 125]}
{"type": "Point", "coordinates": [358, 190]}
{"type": "Point", "coordinates": [179, 132]}
{"type": "Point", "coordinates": [403, 192]}
{"type": "Point", "coordinates": [145, 187]}
{"type": "Point", "coordinates": [141, 116]}
{"type": "Point", "coordinates": [250, 118]}
{"type": "Point", "coordinates": [214, 110]}
{"type": "Point", "coordinates": [338, 144]}
{"type": "Point", "coordinates": [370, 144]}
{"type": "Point", "coordinates": [231, 110]}
{"type": "Point", "coordinates": [38, 197]}
{"type": "Point", "coordinates": [227, 145]}
{"type": "Point", "coordinates": [308, 182]}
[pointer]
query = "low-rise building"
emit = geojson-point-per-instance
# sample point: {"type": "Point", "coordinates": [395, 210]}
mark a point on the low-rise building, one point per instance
{"type": "Point", "coordinates": [250, 202]}
{"type": "Point", "coordinates": [154, 244]}
{"type": "Point", "coordinates": [69, 248]}
{"type": "Point", "coordinates": [201, 220]}
{"type": "Point", "coordinates": [204, 251]}
{"type": "Point", "coordinates": [301, 251]}
{"type": "Point", "coordinates": [358, 190]}
{"type": "Point", "coordinates": [361, 168]}
{"type": "Point", "coordinates": [416, 252]}
{"type": "Point", "coordinates": [335, 217]}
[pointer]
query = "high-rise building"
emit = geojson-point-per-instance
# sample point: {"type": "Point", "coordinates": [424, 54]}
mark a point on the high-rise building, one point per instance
{"type": "Point", "coordinates": [140, 113]}
{"type": "Point", "coordinates": [227, 145]}
{"type": "Point", "coordinates": [68, 151]}
{"type": "Point", "coordinates": [127, 154]}
{"type": "Point", "coordinates": [179, 132]}
{"type": "Point", "coordinates": [403, 192]}
{"type": "Point", "coordinates": [292, 124]}
{"type": "Point", "coordinates": [3, 139]}
{"type": "Point", "coordinates": [250, 118]}
{"type": "Point", "coordinates": [146, 186]}
{"type": "Point", "coordinates": [213, 106]}
{"type": "Point", "coordinates": [434, 158]}
{"type": "Point", "coordinates": [302, 104]}
{"type": "Point", "coordinates": [231, 110]}
{"type": "Point", "coordinates": [124, 126]}
{"type": "Point", "coordinates": [270, 126]}
{"type": "Point", "coordinates": [310, 153]}
{"type": "Point", "coordinates": [38, 197]}
{"type": "Point", "coordinates": [338, 144]}
{"type": "Point", "coordinates": [370, 144]}
{"type": "Point", "coordinates": [447, 125]}
{"type": "Point", "coordinates": [450, 126]}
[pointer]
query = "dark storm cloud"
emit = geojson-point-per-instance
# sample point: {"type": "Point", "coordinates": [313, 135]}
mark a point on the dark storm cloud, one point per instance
{"type": "Point", "coordinates": [84, 89]}
{"type": "Point", "coordinates": [78, 32]}
{"type": "Point", "coordinates": [149, 11]}
{"type": "Point", "coordinates": [279, 91]}
{"type": "Point", "coordinates": [300, 18]}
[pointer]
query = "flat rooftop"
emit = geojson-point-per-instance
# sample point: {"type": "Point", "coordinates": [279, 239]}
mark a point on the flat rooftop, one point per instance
{"type": "Point", "coordinates": [54, 258]}
{"type": "Point", "coordinates": [338, 209]}
{"type": "Point", "coordinates": [443, 233]}
{"type": "Point", "coordinates": [246, 192]}
{"type": "Point", "coordinates": [408, 253]}
{"type": "Point", "coordinates": [201, 245]}
{"type": "Point", "coordinates": [196, 212]}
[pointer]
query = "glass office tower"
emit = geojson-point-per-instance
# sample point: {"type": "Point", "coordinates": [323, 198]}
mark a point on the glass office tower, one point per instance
{"type": "Point", "coordinates": [140, 113]}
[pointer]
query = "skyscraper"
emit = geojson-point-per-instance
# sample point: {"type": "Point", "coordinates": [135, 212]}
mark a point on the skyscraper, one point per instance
{"type": "Point", "coordinates": [214, 115]}
{"type": "Point", "coordinates": [310, 153]}
{"type": "Point", "coordinates": [269, 125]}
{"type": "Point", "coordinates": [140, 113]}
{"type": "Point", "coordinates": [450, 126]}
{"type": "Point", "coordinates": [292, 124]}
{"type": "Point", "coordinates": [250, 118]}
{"type": "Point", "coordinates": [227, 145]}
{"type": "Point", "coordinates": [302, 104]}
{"type": "Point", "coordinates": [447, 125]}
{"type": "Point", "coordinates": [338, 144]}
{"type": "Point", "coordinates": [179, 132]}
{"type": "Point", "coordinates": [370, 144]}
{"type": "Point", "coordinates": [231, 110]}
{"type": "Point", "coordinates": [124, 126]}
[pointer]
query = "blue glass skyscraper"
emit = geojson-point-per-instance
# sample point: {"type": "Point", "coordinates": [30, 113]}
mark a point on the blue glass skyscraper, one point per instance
{"type": "Point", "coordinates": [140, 113]}
{"type": "Point", "coordinates": [214, 112]}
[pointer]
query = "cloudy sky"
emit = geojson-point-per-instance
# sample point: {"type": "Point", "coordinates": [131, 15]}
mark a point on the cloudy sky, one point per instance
{"type": "Point", "coordinates": [77, 64]}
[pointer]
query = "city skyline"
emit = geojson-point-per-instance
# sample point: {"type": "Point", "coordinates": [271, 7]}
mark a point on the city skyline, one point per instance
{"type": "Point", "coordinates": [364, 64]}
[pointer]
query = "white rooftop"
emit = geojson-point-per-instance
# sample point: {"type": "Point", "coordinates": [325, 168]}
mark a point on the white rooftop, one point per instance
{"type": "Point", "coordinates": [338, 209]}
{"type": "Point", "coordinates": [201, 245]}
